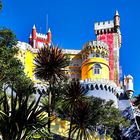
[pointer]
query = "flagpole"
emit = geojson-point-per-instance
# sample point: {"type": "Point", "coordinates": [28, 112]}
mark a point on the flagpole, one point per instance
{"type": "Point", "coordinates": [46, 23]}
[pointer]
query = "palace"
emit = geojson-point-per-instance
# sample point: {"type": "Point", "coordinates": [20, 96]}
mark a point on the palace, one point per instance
{"type": "Point", "coordinates": [96, 65]}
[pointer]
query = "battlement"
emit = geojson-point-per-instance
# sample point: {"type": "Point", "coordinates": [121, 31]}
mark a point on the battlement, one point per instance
{"type": "Point", "coordinates": [42, 36]}
{"type": "Point", "coordinates": [25, 46]}
{"type": "Point", "coordinates": [101, 88]}
{"type": "Point", "coordinates": [71, 51]}
{"type": "Point", "coordinates": [99, 82]}
{"type": "Point", "coordinates": [97, 44]}
{"type": "Point", "coordinates": [104, 25]}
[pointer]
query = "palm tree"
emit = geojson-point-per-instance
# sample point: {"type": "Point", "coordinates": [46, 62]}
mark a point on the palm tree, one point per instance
{"type": "Point", "coordinates": [74, 94]}
{"type": "Point", "coordinates": [86, 118]}
{"type": "Point", "coordinates": [50, 64]}
{"type": "Point", "coordinates": [82, 122]}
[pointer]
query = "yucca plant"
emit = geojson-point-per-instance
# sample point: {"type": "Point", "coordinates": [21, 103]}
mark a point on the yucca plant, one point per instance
{"type": "Point", "coordinates": [50, 64]}
{"type": "Point", "coordinates": [74, 93]}
{"type": "Point", "coordinates": [82, 126]}
{"type": "Point", "coordinates": [86, 118]}
{"type": "Point", "coordinates": [22, 115]}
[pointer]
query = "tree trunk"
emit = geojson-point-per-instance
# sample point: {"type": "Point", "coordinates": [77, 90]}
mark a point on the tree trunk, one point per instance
{"type": "Point", "coordinates": [49, 109]}
{"type": "Point", "coordinates": [70, 128]}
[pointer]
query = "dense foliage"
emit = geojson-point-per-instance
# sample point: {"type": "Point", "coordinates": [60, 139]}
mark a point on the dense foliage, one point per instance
{"type": "Point", "coordinates": [88, 115]}
{"type": "Point", "coordinates": [21, 115]}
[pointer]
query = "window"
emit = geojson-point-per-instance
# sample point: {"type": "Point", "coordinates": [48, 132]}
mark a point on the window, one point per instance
{"type": "Point", "coordinates": [97, 69]}
{"type": "Point", "coordinates": [97, 55]}
{"type": "Point", "coordinates": [90, 56]}
{"type": "Point", "coordinates": [103, 55]}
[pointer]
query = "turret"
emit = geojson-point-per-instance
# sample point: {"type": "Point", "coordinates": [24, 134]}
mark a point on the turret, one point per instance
{"type": "Point", "coordinates": [116, 19]}
{"type": "Point", "coordinates": [34, 36]}
{"type": "Point", "coordinates": [128, 83]}
{"type": "Point", "coordinates": [34, 32]}
{"type": "Point", "coordinates": [95, 63]}
{"type": "Point", "coordinates": [109, 32]}
{"type": "Point", "coordinates": [49, 36]}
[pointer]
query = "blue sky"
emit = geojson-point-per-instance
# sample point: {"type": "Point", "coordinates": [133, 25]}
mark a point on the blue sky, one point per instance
{"type": "Point", "coordinates": [71, 23]}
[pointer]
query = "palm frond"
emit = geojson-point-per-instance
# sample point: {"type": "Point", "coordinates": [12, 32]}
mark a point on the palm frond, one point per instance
{"type": "Point", "coordinates": [50, 64]}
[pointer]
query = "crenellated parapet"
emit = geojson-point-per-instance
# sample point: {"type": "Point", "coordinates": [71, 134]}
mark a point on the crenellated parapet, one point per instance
{"type": "Point", "coordinates": [95, 49]}
{"type": "Point", "coordinates": [104, 27]}
{"type": "Point", "coordinates": [101, 83]}
{"type": "Point", "coordinates": [71, 51]}
{"type": "Point", "coordinates": [96, 44]}
{"type": "Point", "coordinates": [41, 36]}
{"type": "Point", "coordinates": [101, 88]}
{"type": "Point", "coordinates": [37, 40]}
{"type": "Point", "coordinates": [26, 46]}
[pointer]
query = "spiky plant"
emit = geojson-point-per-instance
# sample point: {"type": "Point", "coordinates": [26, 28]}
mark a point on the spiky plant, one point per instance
{"type": "Point", "coordinates": [74, 93]}
{"type": "Point", "coordinates": [50, 64]}
{"type": "Point", "coordinates": [82, 126]}
{"type": "Point", "coordinates": [21, 116]}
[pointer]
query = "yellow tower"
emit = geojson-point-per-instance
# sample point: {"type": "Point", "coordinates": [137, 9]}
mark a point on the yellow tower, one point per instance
{"type": "Point", "coordinates": [95, 64]}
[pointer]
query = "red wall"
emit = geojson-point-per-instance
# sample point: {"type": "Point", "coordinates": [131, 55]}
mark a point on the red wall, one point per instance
{"type": "Point", "coordinates": [108, 38]}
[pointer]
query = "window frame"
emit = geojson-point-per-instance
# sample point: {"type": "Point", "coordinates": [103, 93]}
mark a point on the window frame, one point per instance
{"type": "Point", "coordinates": [97, 69]}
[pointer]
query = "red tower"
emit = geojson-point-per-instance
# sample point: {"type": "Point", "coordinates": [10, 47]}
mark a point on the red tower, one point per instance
{"type": "Point", "coordinates": [37, 40]}
{"type": "Point", "coordinates": [109, 32]}
{"type": "Point", "coordinates": [49, 36]}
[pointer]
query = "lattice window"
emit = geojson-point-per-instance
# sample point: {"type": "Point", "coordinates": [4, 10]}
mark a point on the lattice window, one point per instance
{"type": "Point", "coordinates": [97, 69]}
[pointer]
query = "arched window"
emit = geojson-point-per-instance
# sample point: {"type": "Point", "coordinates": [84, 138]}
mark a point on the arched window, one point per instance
{"type": "Point", "coordinates": [103, 55]}
{"type": "Point", "coordinates": [97, 69]}
{"type": "Point", "coordinates": [91, 55]}
{"type": "Point", "coordinates": [97, 55]}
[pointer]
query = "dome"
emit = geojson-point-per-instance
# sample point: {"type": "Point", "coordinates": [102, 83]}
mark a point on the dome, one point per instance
{"type": "Point", "coordinates": [129, 76]}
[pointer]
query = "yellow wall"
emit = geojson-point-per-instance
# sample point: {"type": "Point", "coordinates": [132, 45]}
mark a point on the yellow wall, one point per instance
{"type": "Point", "coordinates": [26, 58]}
{"type": "Point", "coordinates": [74, 71]}
{"type": "Point", "coordinates": [61, 127]}
{"type": "Point", "coordinates": [29, 64]}
{"type": "Point", "coordinates": [87, 69]}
